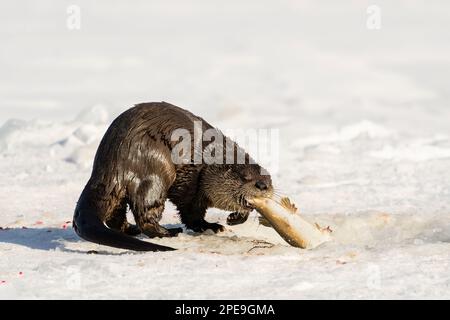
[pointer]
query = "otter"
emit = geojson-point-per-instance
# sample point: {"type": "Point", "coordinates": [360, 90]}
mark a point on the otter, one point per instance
{"type": "Point", "coordinates": [133, 169]}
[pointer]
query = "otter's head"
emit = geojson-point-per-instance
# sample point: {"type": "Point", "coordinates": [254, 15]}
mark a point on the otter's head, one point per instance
{"type": "Point", "coordinates": [229, 187]}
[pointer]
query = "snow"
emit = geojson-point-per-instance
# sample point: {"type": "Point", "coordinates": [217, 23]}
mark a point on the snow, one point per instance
{"type": "Point", "coordinates": [364, 143]}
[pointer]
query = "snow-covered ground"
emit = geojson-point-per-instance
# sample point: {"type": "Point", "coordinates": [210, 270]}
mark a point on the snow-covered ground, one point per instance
{"type": "Point", "coordinates": [364, 119]}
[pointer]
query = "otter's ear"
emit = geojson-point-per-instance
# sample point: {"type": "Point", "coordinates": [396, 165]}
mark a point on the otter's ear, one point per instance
{"type": "Point", "coordinates": [245, 172]}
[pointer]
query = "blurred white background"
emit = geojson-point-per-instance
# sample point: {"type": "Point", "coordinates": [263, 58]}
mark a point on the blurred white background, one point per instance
{"type": "Point", "coordinates": [215, 55]}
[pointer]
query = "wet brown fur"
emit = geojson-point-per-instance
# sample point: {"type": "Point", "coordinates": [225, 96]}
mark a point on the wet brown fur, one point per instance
{"type": "Point", "coordinates": [133, 167]}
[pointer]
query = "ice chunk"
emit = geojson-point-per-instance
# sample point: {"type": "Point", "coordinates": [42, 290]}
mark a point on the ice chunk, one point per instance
{"type": "Point", "coordinates": [97, 115]}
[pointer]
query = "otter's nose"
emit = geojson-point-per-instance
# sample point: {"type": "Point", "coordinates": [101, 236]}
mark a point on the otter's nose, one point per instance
{"type": "Point", "coordinates": [261, 185]}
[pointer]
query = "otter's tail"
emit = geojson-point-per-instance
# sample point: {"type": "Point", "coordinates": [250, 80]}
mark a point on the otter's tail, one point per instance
{"type": "Point", "coordinates": [91, 228]}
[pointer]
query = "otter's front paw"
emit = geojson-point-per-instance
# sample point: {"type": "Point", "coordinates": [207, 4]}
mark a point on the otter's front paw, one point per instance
{"type": "Point", "coordinates": [235, 218]}
{"type": "Point", "coordinates": [203, 226]}
{"type": "Point", "coordinates": [216, 227]}
{"type": "Point", "coordinates": [175, 231]}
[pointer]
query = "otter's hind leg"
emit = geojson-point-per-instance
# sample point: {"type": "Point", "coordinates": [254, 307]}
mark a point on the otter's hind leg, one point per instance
{"type": "Point", "coordinates": [148, 222]}
{"type": "Point", "coordinates": [118, 221]}
{"type": "Point", "coordinates": [147, 205]}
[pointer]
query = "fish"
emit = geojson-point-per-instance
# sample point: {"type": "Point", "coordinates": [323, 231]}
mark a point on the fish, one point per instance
{"type": "Point", "coordinates": [283, 216]}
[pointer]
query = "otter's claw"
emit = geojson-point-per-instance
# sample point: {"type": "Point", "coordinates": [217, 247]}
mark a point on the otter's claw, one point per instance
{"type": "Point", "coordinates": [215, 227]}
{"type": "Point", "coordinates": [235, 218]}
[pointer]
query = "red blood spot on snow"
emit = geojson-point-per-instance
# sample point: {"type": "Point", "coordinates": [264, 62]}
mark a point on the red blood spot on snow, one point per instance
{"type": "Point", "coordinates": [2, 281]}
{"type": "Point", "coordinates": [39, 222]}
{"type": "Point", "coordinates": [65, 225]}
{"type": "Point", "coordinates": [20, 273]}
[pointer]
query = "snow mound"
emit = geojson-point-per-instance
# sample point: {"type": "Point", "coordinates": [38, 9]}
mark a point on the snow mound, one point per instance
{"type": "Point", "coordinates": [15, 135]}
{"type": "Point", "coordinates": [95, 115]}
{"type": "Point", "coordinates": [73, 141]}
{"type": "Point", "coordinates": [87, 133]}
{"type": "Point", "coordinates": [83, 156]}
{"type": "Point", "coordinates": [8, 130]}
